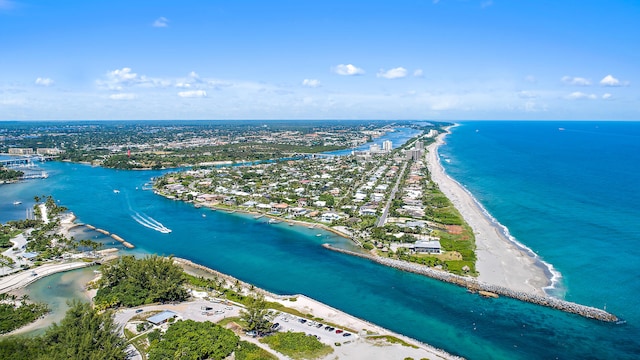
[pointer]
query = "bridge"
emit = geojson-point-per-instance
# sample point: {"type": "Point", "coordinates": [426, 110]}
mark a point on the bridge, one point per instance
{"type": "Point", "coordinates": [24, 161]}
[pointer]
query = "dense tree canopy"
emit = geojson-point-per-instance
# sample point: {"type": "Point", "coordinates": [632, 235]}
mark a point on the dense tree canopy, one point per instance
{"type": "Point", "coordinates": [190, 340]}
{"type": "Point", "coordinates": [82, 334]}
{"type": "Point", "coordinates": [131, 282]}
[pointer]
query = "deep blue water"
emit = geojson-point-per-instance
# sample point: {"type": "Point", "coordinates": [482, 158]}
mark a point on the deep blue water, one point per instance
{"type": "Point", "coordinates": [567, 195]}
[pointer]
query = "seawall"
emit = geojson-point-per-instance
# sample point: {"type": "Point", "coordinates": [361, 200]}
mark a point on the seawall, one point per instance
{"type": "Point", "coordinates": [475, 285]}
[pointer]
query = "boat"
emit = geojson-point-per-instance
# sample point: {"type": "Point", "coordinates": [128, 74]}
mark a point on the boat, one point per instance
{"type": "Point", "coordinates": [116, 191]}
{"type": "Point", "coordinates": [17, 202]}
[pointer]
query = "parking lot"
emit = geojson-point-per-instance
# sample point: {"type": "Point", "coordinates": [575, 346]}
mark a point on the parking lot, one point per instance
{"type": "Point", "coordinates": [294, 323]}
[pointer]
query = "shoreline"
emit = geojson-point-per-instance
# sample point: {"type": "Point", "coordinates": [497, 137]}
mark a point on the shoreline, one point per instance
{"type": "Point", "coordinates": [316, 308]}
{"type": "Point", "coordinates": [501, 260]}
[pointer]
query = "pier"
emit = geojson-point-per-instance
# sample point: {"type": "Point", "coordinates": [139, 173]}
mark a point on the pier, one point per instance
{"type": "Point", "coordinates": [478, 286]}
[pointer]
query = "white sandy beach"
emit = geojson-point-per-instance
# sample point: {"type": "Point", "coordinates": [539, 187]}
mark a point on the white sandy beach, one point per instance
{"type": "Point", "coordinates": [500, 261]}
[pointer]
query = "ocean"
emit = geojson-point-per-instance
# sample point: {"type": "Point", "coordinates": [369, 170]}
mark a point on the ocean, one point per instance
{"type": "Point", "coordinates": [569, 195]}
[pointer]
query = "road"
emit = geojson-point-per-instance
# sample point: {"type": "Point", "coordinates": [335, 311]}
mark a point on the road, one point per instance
{"type": "Point", "coordinates": [392, 195]}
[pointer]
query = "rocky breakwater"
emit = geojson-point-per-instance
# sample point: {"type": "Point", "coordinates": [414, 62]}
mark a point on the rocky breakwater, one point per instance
{"type": "Point", "coordinates": [475, 285]}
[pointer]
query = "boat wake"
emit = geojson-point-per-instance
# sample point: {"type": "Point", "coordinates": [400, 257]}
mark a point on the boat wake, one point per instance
{"type": "Point", "coordinates": [149, 222]}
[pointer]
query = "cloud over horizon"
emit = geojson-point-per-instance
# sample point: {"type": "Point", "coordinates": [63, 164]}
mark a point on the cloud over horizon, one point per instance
{"type": "Point", "coordinates": [161, 22]}
{"type": "Point", "coordinates": [44, 81]}
{"type": "Point", "coordinates": [347, 70]}
{"type": "Point", "coordinates": [313, 83]}
{"type": "Point", "coordinates": [609, 80]}
{"type": "Point", "coordinates": [577, 95]}
{"type": "Point", "coordinates": [192, 94]}
{"type": "Point", "coordinates": [395, 73]}
{"type": "Point", "coordinates": [578, 81]}
{"type": "Point", "coordinates": [122, 96]}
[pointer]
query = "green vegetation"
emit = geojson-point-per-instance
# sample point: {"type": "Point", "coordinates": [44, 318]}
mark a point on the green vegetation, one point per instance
{"type": "Point", "coordinates": [254, 315]}
{"type": "Point", "coordinates": [249, 351]}
{"type": "Point", "coordinates": [7, 232]}
{"type": "Point", "coordinates": [14, 314]}
{"type": "Point", "coordinates": [194, 340]}
{"type": "Point", "coordinates": [133, 282]}
{"type": "Point", "coordinates": [9, 175]}
{"type": "Point", "coordinates": [84, 333]}
{"type": "Point", "coordinates": [297, 345]}
{"type": "Point", "coordinates": [392, 339]}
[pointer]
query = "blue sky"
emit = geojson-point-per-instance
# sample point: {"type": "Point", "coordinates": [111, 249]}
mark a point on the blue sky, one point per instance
{"type": "Point", "coordinates": [320, 59]}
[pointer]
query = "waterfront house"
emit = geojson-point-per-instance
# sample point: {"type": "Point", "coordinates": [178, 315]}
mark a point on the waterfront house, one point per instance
{"type": "Point", "coordinates": [297, 211]}
{"type": "Point", "coordinates": [279, 208]}
{"type": "Point", "coordinates": [427, 247]}
{"type": "Point", "coordinates": [330, 216]}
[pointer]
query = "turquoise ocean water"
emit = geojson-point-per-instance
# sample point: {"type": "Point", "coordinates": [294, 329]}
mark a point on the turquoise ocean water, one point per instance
{"type": "Point", "coordinates": [568, 195]}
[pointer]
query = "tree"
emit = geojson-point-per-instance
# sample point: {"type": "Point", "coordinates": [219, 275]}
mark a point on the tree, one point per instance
{"type": "Point", "coordinates": [255, 315]}
{"type": "Point", "coordinates": [132, 282]}
{"type": "Point", "coordinates": [328, 198]}
{"type": "Point", "coordinates": [194, 340]}
{"type": "Point", "coordinates": [82, 334]}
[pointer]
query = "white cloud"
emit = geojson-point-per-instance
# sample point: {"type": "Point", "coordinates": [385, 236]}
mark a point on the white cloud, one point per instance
{"type": "Point", "coordinates": [394, 73]}
{"type": "Point", "coordinates": [348, 69]}
{"type": "Point", "coordinates": [580, 95]}
{"type": "Point", "coordinates": [193, 94]}
{"type": "Point", "coordinates": [418, 73]}
{"type": "Point", "coordinates": [527, 94]}
{"type": "Point", "coordinates": [161, 22]}
{"type": "Point", "coordinates": [606, 96]}
{"type": "Point", "coordinates": [609, 80]}
{"type": "Point", "coordinates": [44, 81]}
{"type": "Point", "coordinates": [120, 78]}
{"type": "Point", "coordinates": [314, 83]}
{"type": "Point", "coordinates": [122, 96]}
{"type": "Point", "coordinates": [579, 81]}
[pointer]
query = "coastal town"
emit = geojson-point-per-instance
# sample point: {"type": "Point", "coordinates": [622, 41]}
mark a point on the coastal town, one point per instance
{"type": "Point", "coordinates": [392, 201]}
{"type": "Point", "coordinates": [381, 198]}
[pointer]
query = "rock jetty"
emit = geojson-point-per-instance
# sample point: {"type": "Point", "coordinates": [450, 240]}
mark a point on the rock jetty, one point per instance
{"type": "Point", "coordinates": [476, 286]}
